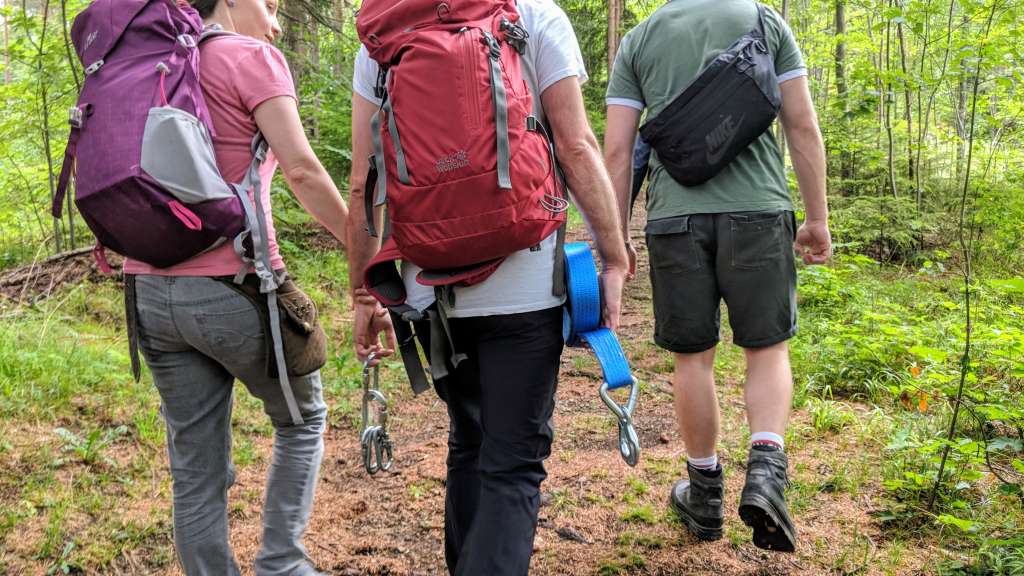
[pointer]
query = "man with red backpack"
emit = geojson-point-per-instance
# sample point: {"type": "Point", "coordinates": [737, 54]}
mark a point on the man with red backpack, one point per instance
{"type": "Point", "coordinates": [457, 120]}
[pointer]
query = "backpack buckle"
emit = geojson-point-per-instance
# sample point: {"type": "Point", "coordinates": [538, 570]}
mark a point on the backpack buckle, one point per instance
{"type": "Point", "coordinates": [492, 43]}
{"type": "Point", "coordinates": [187, 41]}
{"type": "Point", "coordinates": [515, 35]}
{"type": "Point", "coordinates": [94, 67]}
{"type": "Point", "coordinates": [380, 88]}
{"type": "Point", "coordinates": [75, 117]}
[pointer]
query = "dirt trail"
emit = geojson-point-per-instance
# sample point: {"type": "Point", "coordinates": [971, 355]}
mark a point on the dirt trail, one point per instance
{"type": "Point", "coordinates": [599, 517]}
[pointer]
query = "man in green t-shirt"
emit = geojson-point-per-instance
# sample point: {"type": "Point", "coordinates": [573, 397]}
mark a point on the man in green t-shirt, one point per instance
{"type": "Point", "coordinates": [732, 237]}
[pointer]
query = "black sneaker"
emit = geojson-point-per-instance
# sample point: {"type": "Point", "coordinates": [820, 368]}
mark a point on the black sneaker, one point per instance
{"type": "Point", "coordinates": [763, 502]}
{"type": "Point", "coordinates": [698, 502]}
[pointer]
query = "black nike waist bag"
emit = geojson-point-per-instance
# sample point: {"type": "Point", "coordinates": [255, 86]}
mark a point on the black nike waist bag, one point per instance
{"type": "Point", "coordinates": [733, 101]}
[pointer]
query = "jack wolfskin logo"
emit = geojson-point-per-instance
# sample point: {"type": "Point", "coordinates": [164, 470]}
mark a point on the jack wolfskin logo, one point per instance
{"type": "Point", "coordinates": [451, 162]}
{"type": "Point", "coordinates": [91, 39]}
{"type": "Point", "coordinates": [718, 140]}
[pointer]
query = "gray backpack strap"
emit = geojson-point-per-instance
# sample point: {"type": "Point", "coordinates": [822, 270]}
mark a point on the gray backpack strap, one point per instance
{"type": "Point", "coordinates": [500, 113]}
{"type": "Point", "coordinates": [403, 170]}
{"type": "Point", "coordinates": [257, 230]}
{"type": "Point", "coordinates": [442, 344]}
{"type": "Point", "coordinates": [381, 195]}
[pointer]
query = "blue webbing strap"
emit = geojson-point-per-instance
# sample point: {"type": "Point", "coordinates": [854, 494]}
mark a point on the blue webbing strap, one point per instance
{"type": "Point", "coordinates": [582, 324]}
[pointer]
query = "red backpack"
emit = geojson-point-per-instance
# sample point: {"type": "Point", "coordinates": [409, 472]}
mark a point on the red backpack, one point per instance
{"type": "Point", "coordinates": [468, 174]}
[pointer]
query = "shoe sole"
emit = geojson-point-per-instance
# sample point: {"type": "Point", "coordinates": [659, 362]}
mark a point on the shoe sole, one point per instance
{"type": "Point", "coordinates": [772, 530]}
{"type": "Point", "coordinates": [705, 533]}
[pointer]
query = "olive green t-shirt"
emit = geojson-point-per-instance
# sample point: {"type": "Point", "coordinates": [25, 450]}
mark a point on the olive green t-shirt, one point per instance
{"type": "Point", "coordinates": [659, 58]}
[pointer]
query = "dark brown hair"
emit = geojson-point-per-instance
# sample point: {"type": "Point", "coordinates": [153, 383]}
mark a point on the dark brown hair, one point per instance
{"type": "Point", "coordinates": [204, 7]}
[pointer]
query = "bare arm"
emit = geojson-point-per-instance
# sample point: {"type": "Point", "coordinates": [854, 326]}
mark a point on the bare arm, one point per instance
{"type": "Point", "coordinates": [370, 317]}
{"type": "Point", "coordinates": [580, 158]}
{"type": "Point", "coordinates": [619, 139]}
{"type": "Point", "coordinates": [588, 180]}
{"type": "Point", "coordinates": [362, 247]}
{"type": "Point", "coordinates": [278, 120]}
{"type": "Point", "coordinates": [800, 122]}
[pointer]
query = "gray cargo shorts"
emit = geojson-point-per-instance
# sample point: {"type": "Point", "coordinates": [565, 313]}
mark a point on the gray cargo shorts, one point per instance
{"type": "Point", "coordinates": [745, 258]}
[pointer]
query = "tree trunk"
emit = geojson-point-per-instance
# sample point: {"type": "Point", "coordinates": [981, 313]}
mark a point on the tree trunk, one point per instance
{"type": "Point", "coordinates": [924, 123]}
{"type": "Point", "coordinates": [7, 45]}
{"type": "Point", "coordinates": [314, 61]}
{"type": "Point", "coordinates": [44, 105]}
{"type": "Point", "coordinates": [67, 44]}
{"type": "Point", "coordinates": [294, 18]}
{"type": "Point", "coordinates": [614, 31]}
{"type": "Point", "coordinates": [907, 111]}
{"type": "Point", "coordinates": [963, 88]}
{"type": "Point", "coordinates": [339, 13]}
{"type": "Point", "coordinates": [887, 103]}
{"type": "Point", "coordinates": [841, 87]}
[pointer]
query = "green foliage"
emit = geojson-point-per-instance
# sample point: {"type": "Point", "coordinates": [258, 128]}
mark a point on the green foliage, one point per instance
{"type": "Point", "coordinates": [884, 228]}
{"type": "Point", "coordinates": [1002, 558]}
{"type": "Point", "coordinates": [897, 342]}
{"type": "Point", "coordinates": [33, 130]}
{"type": "Point", "coordinates": [89, 448]}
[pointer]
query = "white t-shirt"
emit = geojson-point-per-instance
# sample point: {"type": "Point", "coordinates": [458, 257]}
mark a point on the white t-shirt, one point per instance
{"type": "Point", "coordinates": [523, 282]}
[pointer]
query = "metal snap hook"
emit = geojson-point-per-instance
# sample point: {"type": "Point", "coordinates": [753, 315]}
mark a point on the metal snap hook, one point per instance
{"type": "Point", "coordinates": [377, 451]}
{"type": "Point", "coordinates": [629, 442]}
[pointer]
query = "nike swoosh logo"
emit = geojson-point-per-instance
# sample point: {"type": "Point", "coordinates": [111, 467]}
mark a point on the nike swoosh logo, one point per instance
{"type": "Point", "coordinates": [715, 154]}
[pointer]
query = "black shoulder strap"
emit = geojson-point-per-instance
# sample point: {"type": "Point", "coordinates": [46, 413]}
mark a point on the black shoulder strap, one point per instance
{"type": "Point", "coordinates": [759, 32]}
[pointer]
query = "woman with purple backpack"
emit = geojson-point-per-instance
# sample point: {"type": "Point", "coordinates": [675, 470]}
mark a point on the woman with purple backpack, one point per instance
{"type": "Point", "coordinates": [199, 331]}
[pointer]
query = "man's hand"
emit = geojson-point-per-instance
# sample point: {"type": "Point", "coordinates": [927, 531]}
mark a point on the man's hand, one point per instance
{"type": "Point", "coordinates": [612, 280]}
{"type": "Point", "coordinates": [813, 242]}
{"type": "Point", "coordinates": [370, 320]}
{"type": "Point", "coordinates": [631, 250]}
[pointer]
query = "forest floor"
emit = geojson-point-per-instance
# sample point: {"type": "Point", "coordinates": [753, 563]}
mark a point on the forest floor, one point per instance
{"type": "Point", "coordinates": [103, 505]}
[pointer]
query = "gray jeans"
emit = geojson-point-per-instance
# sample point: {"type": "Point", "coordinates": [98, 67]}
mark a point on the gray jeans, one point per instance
{"type": "Point", "coordinates": [197, 336]}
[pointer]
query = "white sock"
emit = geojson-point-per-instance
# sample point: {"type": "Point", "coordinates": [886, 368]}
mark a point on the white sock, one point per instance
{"type": "Point", "coordinates": [767, 439]}
{"type": "Point", "coordinates": [709, 463]}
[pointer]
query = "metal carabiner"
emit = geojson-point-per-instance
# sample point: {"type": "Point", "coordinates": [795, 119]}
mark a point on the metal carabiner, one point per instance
{"type": "Point", "coordinates": [376, 445]}
{"type": "Point", "coordinates": [629, 442]}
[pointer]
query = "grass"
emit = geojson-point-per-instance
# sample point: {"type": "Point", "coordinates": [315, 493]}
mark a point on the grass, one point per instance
{"type": "Point", "coordinates": [83, 475]}
{"type": "Point", "coordinates": [81, 442]}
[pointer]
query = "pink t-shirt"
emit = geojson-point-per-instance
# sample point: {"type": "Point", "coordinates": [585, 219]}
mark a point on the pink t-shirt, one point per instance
{"type": "Point", "coordinates": [237, 74]}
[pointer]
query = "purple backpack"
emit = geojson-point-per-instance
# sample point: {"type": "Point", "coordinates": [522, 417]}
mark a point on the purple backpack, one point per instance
{"type": "Point", "coordinates": [147, 181]}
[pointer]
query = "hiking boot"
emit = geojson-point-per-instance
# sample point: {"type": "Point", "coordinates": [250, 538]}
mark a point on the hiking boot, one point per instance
{"type": "Point", "coordinates": [763, 502]}
{"type": "Point", "coordinates": [698, 502]}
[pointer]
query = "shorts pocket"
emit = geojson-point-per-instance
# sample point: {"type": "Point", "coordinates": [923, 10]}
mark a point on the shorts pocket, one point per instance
{"type": "Point", "coordinates": [672, 245]}
{"type": "Point", "coordinates": [757, 239]}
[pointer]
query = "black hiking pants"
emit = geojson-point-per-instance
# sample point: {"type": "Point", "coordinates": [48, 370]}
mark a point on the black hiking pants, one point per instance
{"type": "Point", "coordinates": [500, 402]}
